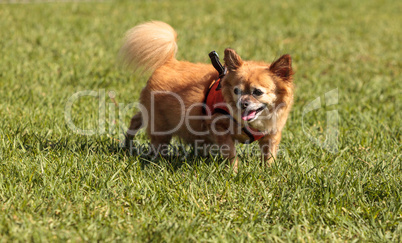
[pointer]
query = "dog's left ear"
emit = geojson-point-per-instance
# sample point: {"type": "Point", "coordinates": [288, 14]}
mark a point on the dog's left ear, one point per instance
{"type": "Point", "coordinates": [283, 67]}
{"type": "Point", "coordinates": [232, 59]}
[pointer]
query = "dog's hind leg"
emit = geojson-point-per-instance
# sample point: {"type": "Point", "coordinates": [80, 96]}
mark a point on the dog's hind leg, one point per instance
{"type": "Point", "coordinates": [136, 124]}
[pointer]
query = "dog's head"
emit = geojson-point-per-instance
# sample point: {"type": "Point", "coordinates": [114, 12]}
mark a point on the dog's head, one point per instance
{"type": "Point", "coordinates": [259, 94]}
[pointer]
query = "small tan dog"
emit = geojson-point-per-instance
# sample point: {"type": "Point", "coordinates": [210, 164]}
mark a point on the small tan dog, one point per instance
{"type": "Point", "coordinates": [176, 100]}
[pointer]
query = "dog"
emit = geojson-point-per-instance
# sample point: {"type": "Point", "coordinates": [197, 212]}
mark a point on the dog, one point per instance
{"type": "Point", "coordinates": [256, 97]}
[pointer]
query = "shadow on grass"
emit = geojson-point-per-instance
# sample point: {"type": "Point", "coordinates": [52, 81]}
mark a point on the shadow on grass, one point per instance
{"type": "Point", "coordinates": [177, 155]}
{"type": "Point", "coordinates": [174, 156]}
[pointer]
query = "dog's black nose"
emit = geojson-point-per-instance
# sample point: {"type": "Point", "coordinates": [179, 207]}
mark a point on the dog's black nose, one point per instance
{"type": "Point", "coordinates": [245, 104]}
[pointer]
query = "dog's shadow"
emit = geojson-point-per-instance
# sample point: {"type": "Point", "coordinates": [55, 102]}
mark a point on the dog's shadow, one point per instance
{"type": "Point", "coordinates": [178, 154]}
{"type": "Point", "coordinates": [174, 156]}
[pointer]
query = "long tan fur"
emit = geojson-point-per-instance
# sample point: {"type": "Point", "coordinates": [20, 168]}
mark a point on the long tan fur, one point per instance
{"type": "Point", "coordinates": [173, 96]}
{"type": "Point", "coordinates": [148, 46]}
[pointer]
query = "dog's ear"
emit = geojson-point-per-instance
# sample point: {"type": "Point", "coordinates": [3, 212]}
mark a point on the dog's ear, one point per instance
{"type": "Point", "coordinates": [283, 67]}
{"type": "Point", "coordinates": [232, 60]}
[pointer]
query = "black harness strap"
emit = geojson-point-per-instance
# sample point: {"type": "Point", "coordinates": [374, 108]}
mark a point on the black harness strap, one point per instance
{"type": "Point", "coordinates": [248, 133]}
{"type": "Point", "coordinates": [217, 64]}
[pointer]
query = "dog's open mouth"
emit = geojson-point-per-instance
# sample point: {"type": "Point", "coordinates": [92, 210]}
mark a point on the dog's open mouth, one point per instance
{"type": "Point", "coordinates": [250, 115]}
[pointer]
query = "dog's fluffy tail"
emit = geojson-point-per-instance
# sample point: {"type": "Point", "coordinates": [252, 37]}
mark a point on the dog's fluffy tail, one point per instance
{"type": "Point", "coordinates": [148, 46]}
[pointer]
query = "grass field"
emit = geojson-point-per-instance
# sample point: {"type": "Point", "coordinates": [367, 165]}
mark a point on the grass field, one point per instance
{"type": "Point", "coordinates": [58, 185]}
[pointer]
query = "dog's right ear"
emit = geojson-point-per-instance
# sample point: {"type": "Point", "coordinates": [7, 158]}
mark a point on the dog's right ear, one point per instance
{"type": "Point", "coordinates": [283, 67]}
{"type": "Point", "coordinates": [232, 60]}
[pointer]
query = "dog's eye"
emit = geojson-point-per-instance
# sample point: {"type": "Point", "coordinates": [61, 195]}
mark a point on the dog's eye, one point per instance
{"type": "Point", "coordinates": [237, 91]}
{"type": "Point", "coordinates": [257, 92]}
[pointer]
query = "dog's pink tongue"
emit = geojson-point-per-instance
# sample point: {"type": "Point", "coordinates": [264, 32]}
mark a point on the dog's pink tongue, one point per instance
{"type": "Point", "coordinates": [248, 116]}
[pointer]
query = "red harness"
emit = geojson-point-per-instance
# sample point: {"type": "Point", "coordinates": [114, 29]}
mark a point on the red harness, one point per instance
{"type": "Point", "coordinates": [215, 102]}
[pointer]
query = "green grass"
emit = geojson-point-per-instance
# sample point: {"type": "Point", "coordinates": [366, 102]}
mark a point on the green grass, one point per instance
{"type": "Point", "coordinates": [56, 184]}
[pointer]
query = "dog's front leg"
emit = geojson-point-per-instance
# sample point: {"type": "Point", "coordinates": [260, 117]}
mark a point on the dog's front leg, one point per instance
{"type": "Point", "coordinates": [227, 147]}
{"type": "Point", "coordinates": [269, 147]}
{"type": "Point", "coordinates": [221, 129]}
